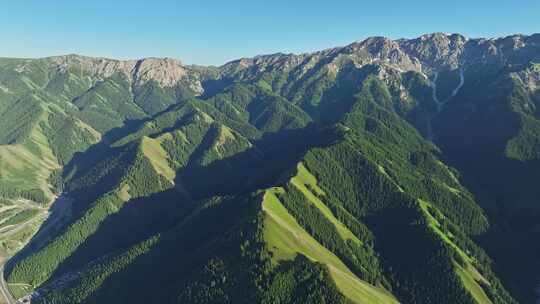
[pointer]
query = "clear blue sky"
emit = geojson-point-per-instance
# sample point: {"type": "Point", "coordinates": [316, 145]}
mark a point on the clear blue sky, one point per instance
{"type": "Point", "coordinates": [216, 31]}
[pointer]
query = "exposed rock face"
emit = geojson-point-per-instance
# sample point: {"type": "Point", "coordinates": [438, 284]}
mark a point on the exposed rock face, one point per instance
{"type": "Point", "coordinates": [99, 67]}
{"type": "Point", "coordinates": [426, 54]}
{"type": "Point", "coordinates": [436, 51]}
{"type": "Point", "coordinates": [166, 72]}
{"type": "Point", "coordinates": [530, 77]}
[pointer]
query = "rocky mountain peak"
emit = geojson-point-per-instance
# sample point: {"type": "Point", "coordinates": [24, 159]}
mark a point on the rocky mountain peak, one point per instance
{"type": "Point", "coordinates": [165, 71]}
{"type": "Point", "coordinates": [426, 54]}
{"type": "Point", "coordinates": [436, 51]}
{"type": "Point", "coordinates": [98, 67]}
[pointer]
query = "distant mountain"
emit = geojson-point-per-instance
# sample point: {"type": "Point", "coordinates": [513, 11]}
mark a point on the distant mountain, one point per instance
{"type": "Point", "coordinates": [384, 171]}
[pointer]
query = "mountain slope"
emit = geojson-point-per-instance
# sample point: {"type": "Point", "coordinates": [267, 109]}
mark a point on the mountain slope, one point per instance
{"type": "Point", "coordinates": [377, 172]}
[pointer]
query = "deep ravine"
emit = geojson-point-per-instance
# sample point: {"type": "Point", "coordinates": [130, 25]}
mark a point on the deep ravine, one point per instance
{"type": "Point", "coordinates": [440, 104]}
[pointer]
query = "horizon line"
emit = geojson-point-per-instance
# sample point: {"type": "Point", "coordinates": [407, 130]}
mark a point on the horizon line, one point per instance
{"type": "Point", "coordinates": [112, 58]}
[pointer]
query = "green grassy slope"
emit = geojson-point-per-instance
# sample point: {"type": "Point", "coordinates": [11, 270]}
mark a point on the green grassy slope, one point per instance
{"type": "Point", "coordinates": [306, 183]}
{"type": "Point", "coordinates": [468, 274]}
{"type": "Point", "coordinates": [286, 238]}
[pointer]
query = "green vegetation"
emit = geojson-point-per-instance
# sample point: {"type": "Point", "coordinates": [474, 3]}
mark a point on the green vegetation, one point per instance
{"type": "Point", "coordinates": [45, 261]}
{"type": "Point", "coordinates": [291, 179]}
{"type": "Point", "coordinates": [5, 202]}
{"type": "Point", "coordinates": [25, 166]}
{"type": "Point", "coordinates": [306, 183]}
{"type": "Point", "coordinates": [108, 104]}
{"type": "Point", "coordinates": [286, 238]}
{"type": "Point", "coordinates": [7, 213]}
{"type": "Point", "coordinates": [35, 195]}
{"type": "Point", "coordinates": [68, 135]}
{"type": "Point", "coordinates": [263, 109]}
{"type": "Point", "coordinates": [18, 120]}
{"type": "Point", "coordinates": [360, 258]}
{"type": "Point", "coordinates": [20, 217]}
{"type": "Point", "coordinates": [472, 285]}
{"type": "Point", "coordinates": [14, 238]}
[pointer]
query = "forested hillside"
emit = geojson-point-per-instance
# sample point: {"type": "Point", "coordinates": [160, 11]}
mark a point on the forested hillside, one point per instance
{"type": "Point", "coordinates": [385, 171]}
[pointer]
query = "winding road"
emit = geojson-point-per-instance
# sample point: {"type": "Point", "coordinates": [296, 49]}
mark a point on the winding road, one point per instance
{"type": "Point", "coordinates": [6, 294]}
{"type": "Point", "coordinates": [51, 219]}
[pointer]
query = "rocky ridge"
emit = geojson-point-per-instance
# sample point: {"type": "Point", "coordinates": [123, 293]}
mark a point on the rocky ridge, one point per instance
{"type": "Point", "coordinates": [426, 55]}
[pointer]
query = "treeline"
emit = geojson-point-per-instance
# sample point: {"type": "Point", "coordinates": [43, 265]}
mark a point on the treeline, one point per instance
{"type": "Point", "coordinates": [184, 140]}
{"type": "Point", "coordinates": [360, 258]}
{"type": "Point", "coordinates": [417, 263]}
{"type": "Point", "coordinates": [359, 229]}
{"type": "Point", "coordinates": [66, 136]}
{"type": "Point", "coordinates": [18, 118]}
{"type": "Point", "coordinates": [390, 144]}
{"type": "Point", "coordinates": [296, 281]}
{"type": "Point", "coordinates": [143, 179]}
{"type": "Point", "coordinates": [56, 181]}
{"type": "Point", "coordinates": [88, 181]}
{"type": "Point", "coordinates": [219, 256]}
{"type": "Point", "coordinates": [4, 201]}
{"type": "Point", "coordinates": [21, 217]}
{"type": "Point", "coordinates": [36, 195]}
{"type": "Point", "coordinates": [186, 112]}
{"type": "Point", "coordinates": [108, 104]}
{"type": "Point", "coordinates": [246, 276]}
{"type": "Point", "coordinates": [95, 275]}
{"type": "Point", "coordinates": [346, 174]}
{"type": "Point", "coordinates": [40, 266]}
{"type": "Point", "coordinates": [302, 281]}
{"type": "Point", "coordinates": [481, 261]}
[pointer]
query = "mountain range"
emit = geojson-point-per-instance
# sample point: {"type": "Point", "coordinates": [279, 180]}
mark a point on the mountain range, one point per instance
{"type": "Point", "coordinates": [384, 171]}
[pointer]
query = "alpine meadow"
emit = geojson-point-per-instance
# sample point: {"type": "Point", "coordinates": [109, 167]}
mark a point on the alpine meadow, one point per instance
{"type": "Point", "coordinates": [384, 171]}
